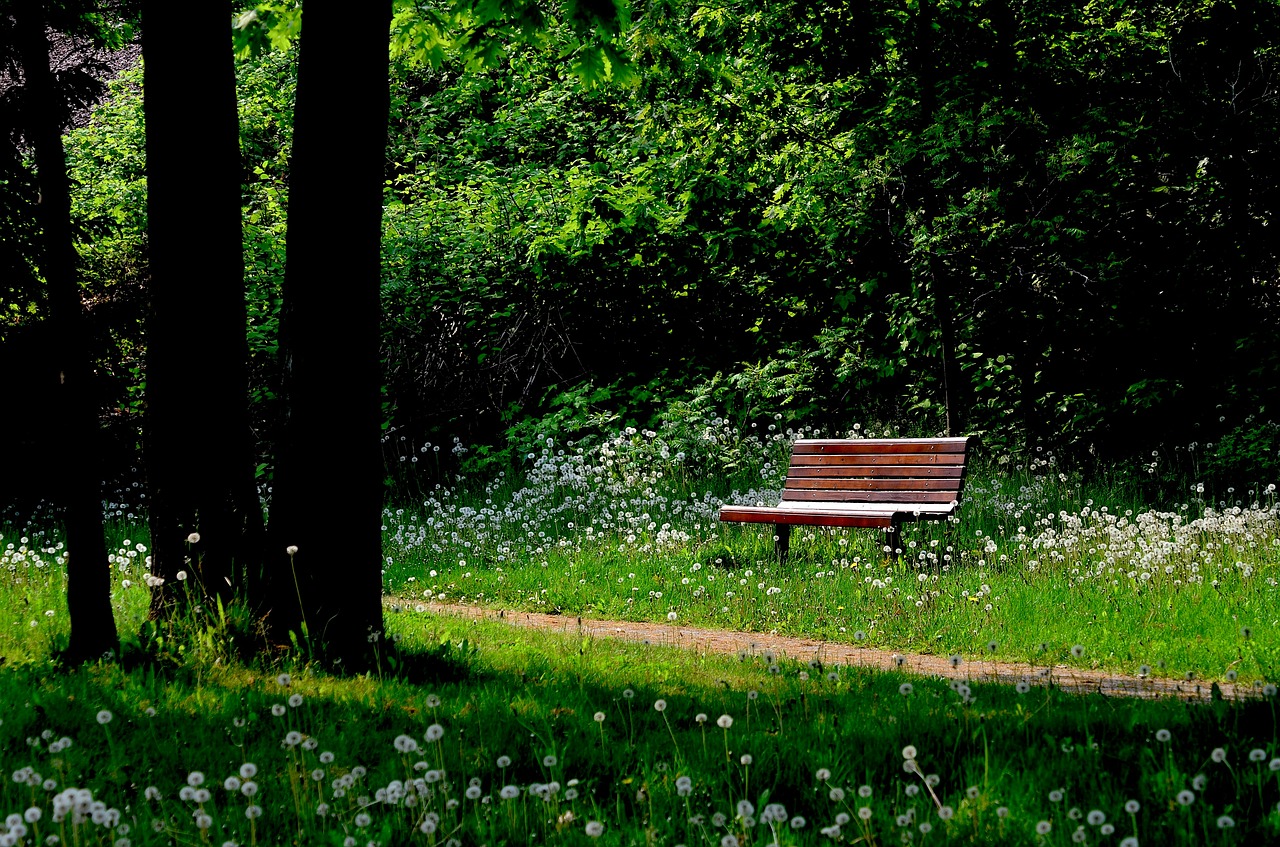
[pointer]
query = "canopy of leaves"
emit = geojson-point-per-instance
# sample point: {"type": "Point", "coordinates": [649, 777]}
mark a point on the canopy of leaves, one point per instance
{"type": "Point", "coordinates": [780, 190]}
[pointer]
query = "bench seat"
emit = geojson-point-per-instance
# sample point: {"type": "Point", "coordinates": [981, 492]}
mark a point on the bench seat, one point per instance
{"type": "Point", "coordinates": [864, 483]}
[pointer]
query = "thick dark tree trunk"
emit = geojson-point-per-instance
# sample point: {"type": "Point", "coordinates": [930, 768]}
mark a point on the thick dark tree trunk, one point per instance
{"type": "Point", "coordinates": [199, 448]}
{"type": "Point", "coordinates": [93, 630]}
{"type": "Point", "coordinates": [327, 497]}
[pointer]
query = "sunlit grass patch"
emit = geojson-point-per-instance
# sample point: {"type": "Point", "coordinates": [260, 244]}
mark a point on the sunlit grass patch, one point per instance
{"type": "Point", "coordinates": [555, 738]}
{"type": "Point", "coordinates": [1035, 561]}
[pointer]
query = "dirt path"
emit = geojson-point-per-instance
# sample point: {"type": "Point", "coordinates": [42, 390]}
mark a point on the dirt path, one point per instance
{"type": "Point", "coordinates": [1075, 680]}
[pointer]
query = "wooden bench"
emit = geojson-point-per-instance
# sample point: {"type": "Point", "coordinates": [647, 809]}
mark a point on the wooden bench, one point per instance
{"type": "Point", "coordinates": [865, 482]}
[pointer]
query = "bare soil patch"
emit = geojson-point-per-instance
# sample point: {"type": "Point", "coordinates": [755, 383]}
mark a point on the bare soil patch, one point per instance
{"type": "Point", "coordinates": [1074, 680]}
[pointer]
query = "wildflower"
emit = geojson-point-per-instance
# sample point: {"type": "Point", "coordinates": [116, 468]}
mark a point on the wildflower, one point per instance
{"type": "Point", "coordinates": [684, 786]}
{"type": "Point", "coordinates": [926, 828]}
{"type": "Point", "coordinates": [435, 732]}
{"type": "Point", "coordinates": [195, 779]}
{"type": "Point", "coordinates": [836, 794]}
{"type": "Point", "coordinates": [1257, 755]}
{"type": "Point", "coordinates": [724, 721]}
{"type": "Point", "coordinates": [433, 701]}
{"type": "Point", "coordinates": [1163, 735]}
{"type": "Point", "coordinates": [1132, 807]}
{"type": "Point", "coordinates": [181, 575]}
{"type": "Point", "coordinates": [659, 705]}
{"type": "Point", "coordinates": [1056, 795]}
{"type": "Point", "coordinates": [295, 700]}
{"type": "Point", "coordinates": [823, 775]}
{"type": "Point", "coordinates": [729, 841]}
{"type": "Point", "coordinates": [473, 792]}
{"type": "Point", "coordinates": [32, 814]}
{"type": "Point", "coordinates": [1077, 650]}
{"type": "Point", "coordinates": [955, 660]}
{"type": "Point", "coordinates": [1218, 755]}
{"type": "Point", "coordinates": [1226, 822]}
{"type": "Point", "coordinates": [1044, 828]}
{"type": "Point", "coordinates": [746, 759]}
{"type": "Point", "coordinates": [278, 709]}
{"type": "Point", "coordinates": [594, 829]}
{"type": "Point", "coordinates": [252, 812]}
{"type": "Point", "coordinates": [1185, 798]}
{"type": "Point", "coordinates": [1131, 841]}
{"type": "Point", "coordinates": [1096, 818]}
{"type": "Point", "coordinates": [284, 680]}
{"type": "Point", "coordinates": [1022, 687]}
{"type": "Point", "coordinates": [972, 792]}
{"type": "Point", "coordinates": [865, 813]}
{"type": "Point", "coordinates": [104, 717]}
{"type": "Point", "coordinates": [1002, 812]}
{"type": "Point", "coordinates": [909, 752]}
{"type": "Point", "coordinates": [363, 819]}
{"type": "Point", "coordinates": [751, 695]}
{"type": "Point", "coordinates": [193, 538]}
{"type": "Point", "coordinates": [293, 739]}
{"type": "Point", "coordinates": [151, 793]}
{"type": "Point", "coordinates": [317, 775]}
{"type": "Point", "coordinates": [509, 792]}
{"type": "Point", "coordinates": [798, 822]}
{"type": "Point", "coordinates": [292, 549]}
{"type": "Point", "coordinates": [745, 809]}
{"type": "Point", "coordinates": [548, 761]}
{"type": "Point", "coordinates": [905, 689]}
{"type": "Point", "coordinates": [946, 812]}
{"type": "Point", "coordinates": [671, 616]}
{"type": "Point", "coordinates": [627, 694]}
{"type": "Point", "coordinates": [249, 788]}
{"type": "Point", "coordinates": [504, 762]}
{"type": "Point", "coordinates": [701, 717]}
{"type": "Point", "coordinates": [248, 770]}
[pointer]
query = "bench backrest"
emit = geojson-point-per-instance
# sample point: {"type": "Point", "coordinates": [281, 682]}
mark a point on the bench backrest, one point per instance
{"type": "Point", "coordinates": [925, 471]}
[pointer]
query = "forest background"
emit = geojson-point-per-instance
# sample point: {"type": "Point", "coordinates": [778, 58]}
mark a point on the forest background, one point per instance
{"type": "Point", "coordinates": [1037, 223]}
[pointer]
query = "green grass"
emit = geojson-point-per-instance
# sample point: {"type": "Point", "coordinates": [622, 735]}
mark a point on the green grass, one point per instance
{"type": "Point", "coordinates": [996, 756]}
{"type": "Point", "coordinates": [1038, 561]}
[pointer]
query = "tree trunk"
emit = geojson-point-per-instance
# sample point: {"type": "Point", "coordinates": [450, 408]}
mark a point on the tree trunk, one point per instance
{"type": "Point", "coordinates": [327, 497]}
{"type": "Point", "coordinates": [199, 447]}
{"type": "Point", "coordinates": [74, 417]}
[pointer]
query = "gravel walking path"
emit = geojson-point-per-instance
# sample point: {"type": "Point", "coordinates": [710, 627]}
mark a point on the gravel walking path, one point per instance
{"type": "Point", "coordinates": [1074, 680]}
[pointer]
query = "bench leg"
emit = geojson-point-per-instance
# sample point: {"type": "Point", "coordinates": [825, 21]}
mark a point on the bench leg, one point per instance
{"type": "Point", "coordinates": [782, 540]}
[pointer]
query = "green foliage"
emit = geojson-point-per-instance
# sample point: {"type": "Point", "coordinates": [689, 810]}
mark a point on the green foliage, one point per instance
{"type": "Point", "coordinates": [1070, 202]}
{"type": "Point", "coordinates": [1247, 454]}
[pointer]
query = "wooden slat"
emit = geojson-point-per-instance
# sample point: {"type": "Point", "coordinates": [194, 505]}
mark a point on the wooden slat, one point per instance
{"type": "Point", "coordinates": [878, 471]}
{"type": "Point", "coordinates": [904, 497]}
{"type": "Point", "coordinates": [948, 459]}
{"type": "Point", "coordinates": [754, 514]}
{"type": "Point", "coordinates": [821, 484]}
{"type": "Point", "coordinates": [876, 445]}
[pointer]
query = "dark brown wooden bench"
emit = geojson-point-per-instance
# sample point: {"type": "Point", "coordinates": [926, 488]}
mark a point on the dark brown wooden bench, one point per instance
{"type": "Point", "coordinates": [864, 482]}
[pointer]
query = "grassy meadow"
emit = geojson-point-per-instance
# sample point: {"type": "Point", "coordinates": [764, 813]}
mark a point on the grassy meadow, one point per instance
{"type": "Point", "coordinates": [475, 733]}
